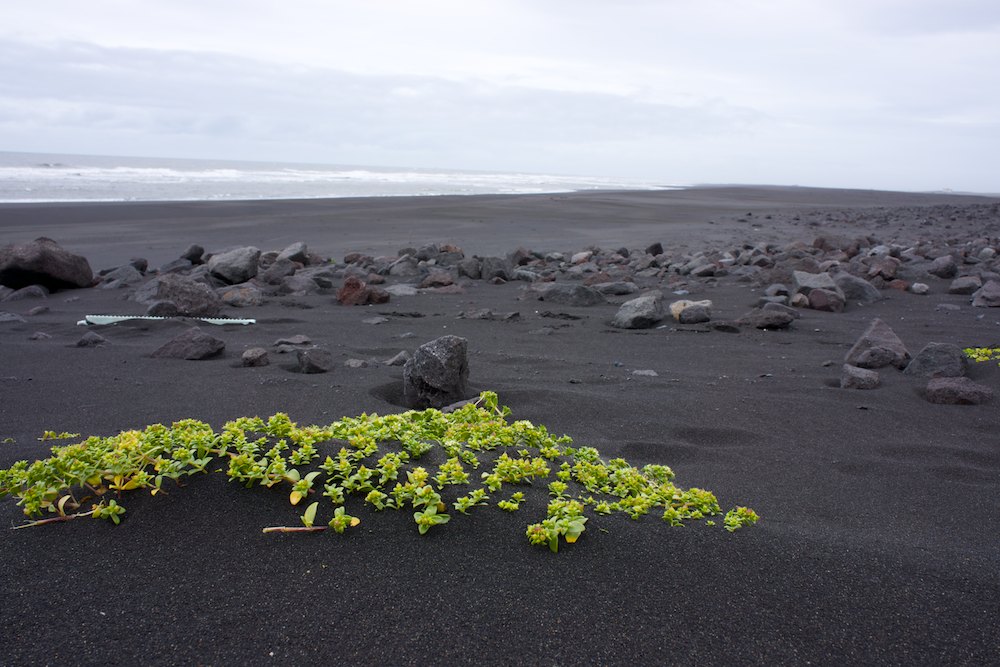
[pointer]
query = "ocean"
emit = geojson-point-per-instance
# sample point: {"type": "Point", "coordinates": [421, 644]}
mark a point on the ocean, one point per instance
{"type": "Point", "coordinates": [41, 177]}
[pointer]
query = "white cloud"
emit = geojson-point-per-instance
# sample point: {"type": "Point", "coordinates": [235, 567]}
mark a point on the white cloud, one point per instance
{"type": "Point", "coordinates": [779, 91]}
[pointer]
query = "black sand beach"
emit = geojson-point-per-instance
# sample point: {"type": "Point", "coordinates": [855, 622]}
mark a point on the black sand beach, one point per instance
{"type": "Point", "coordinates": [880, 513]}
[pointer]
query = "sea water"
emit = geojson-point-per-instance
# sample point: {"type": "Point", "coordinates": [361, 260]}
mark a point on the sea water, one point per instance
{"type": "Point", "coordinates": [39, 177]}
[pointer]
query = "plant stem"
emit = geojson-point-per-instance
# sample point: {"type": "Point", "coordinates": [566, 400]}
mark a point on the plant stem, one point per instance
{"type": "Point", "coordinates": [295, 529]}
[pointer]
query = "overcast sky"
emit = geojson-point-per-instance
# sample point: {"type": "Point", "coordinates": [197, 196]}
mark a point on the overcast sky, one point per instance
{"type": "Point", "coordinates": [891, 94]}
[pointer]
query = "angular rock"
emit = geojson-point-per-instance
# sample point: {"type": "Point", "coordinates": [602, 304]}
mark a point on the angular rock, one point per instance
{"type": "Point", "coordinates": [965, 285]}
{"type": "Point", "coordinates": [437, 373]}
{"type": "Point", "coordinates": [987, 296]}
{"type": "Point", "coordinates": [957, 391]}
{"type": "Point", "coordinates": [298, 285]}
{"type": "Point", "coordinates": [176, 266]}
{"type": "Point", "coordinates": [122, 276]}
{"type": "Point", "coordinates": [943, 267]}
{"type": "Point", "coordinates": [678, 307]}
{"type": "Point", "coordinates": [43, 262]}
{"type": "Point", "coordinates": [235, 266]}
{"type": "Point", "coordinates": [857, 290]}
{"type": "Point", "coordinates": [243, 296]}
{"type": "Point", "coordinates": [643, 312]}
{"type": "Point", "coordinates": [470, 268]}
{"type": "Point", "coordinates": [570, 295]}
{"type": "Point", "coordinates": [825, 300]}
{"type": "Point", "coordinates": [852, 377]}
{"type": "Point", "coordinates": [436, 278]}
{"type": "Point", "coordinates": [281, 268]}
{"type": "Point", "coordinates": [878, 346]}
{"type": "Point", "coordinates": [938, 360]}
{"type": "Point", "coordinates": [405, 267]}
{"type": "Point", "coordinates": [616, 288]}
{"type": "Point", "coordinates": [356, 292]}
{"type": "Point", "coordinates": [254, 357]}
{"type": "Point", "coordinates": [194, 344]}
{"type": "Point", "coordinates": [803, 282]}
{"type": "Point", "coordinates": [767, 319]}
{"type": "Point", "coordinates": [781, 308]}
{"type": "Point", "coordinates": [654, 249]}
{"type": "Point", "coordinates": [313, 360]}
{"type": "Point", "coordinates": [695, 314]}
{"type": "Point", "coordinates": [296, 252]}
{"type": "Point", "coordinates": [919, 288]}
{"type": "Point", "coordinates": [191, 298]}
{"type": "Point", "coordinates": [494, 267]}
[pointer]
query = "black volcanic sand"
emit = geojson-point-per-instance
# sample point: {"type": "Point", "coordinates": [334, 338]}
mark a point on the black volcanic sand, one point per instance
{"type": "Point", "coordinates": [880, 524]}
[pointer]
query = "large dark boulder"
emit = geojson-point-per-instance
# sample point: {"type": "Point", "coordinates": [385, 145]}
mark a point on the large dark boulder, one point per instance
{"type": "Point", "coordinates": [43, 262]}
{"type": "Point", "coordinates": [436, 374]}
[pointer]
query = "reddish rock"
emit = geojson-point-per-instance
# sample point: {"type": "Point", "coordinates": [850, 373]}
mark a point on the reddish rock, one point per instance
{"type": "Point", "coordinates": [356, 292]}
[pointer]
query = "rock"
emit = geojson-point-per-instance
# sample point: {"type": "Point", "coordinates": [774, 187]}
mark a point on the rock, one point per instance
{"type": "Point", "coordinates": [406, 266]}
{"type": "Point", "coordinates": [43, 262]}
{"type": "Point", "coordinates": [254, 357]}
{"type": "Point", "coordinates": [29, 292]}
{"type": "Point", "coordinates": [291, 344]}
{"type": "Point", "coordinates": [920, 288]}
{"type": "Point", "coordinates": [122, 276]}
{"type": "Point", "coordinates": [11, 318]}
{"type": "Point", "coordinates": [487, 314]}
{"type": "Point", "coordinates": [191, 298]}
{"type": "Point", "coordinates": [374, 321]}
{"type": "Point", "coordinates": [356, 363]}
{"type": "Point", "coordinates": [678, 307]}
{"type": "Point", "coordinates": [313, 360]}
{"type": "Point", "coordinates": [298, 285]}
{"type": "Point", "coordinates": [176, 266]}
{"type": "Point", "coordinates": [436, 375]}
{"type": "Point", "coordinates": [878, 346]}
{"type": "Point", "coordinates": [569, 295]}
{"type": "Point", "coordinates": [243, 296]}
{"type": "Point", "coordinates": [280, 269]}
{"type": "Point", "coordinates": [856, 289]}
{"type": "Point", "coordinates": [616, 288]}
{"type": "Point", "coordinates": [519, 257]}
{"type": "Point", "coordinates": [695, 314]}
{"type": "Point", "coordinates": [38, 310]}
{"type": "Point", "coordinates": [643, 312]}
{"type": "Point", "coordinates": [163, 309]}
{"type": "Point", "coordinates": [194, 344]}
{"type": "Point", "coordinates": [356, 292]}
{"type": "Point", "coordinates": [235, 266]}
{"type": "Point", "coordinates": [938, 360]}
{"type": "Point", "coordinates": [943, 267]}
{"type": "Point", "coordinates": [5, 292]}
{"type": "Point", "coordinates": [402, 290]}
{"type": "Point", "coordinates": [987, 296]}
{"type": "Point", "coordinates": [781, 308]}
{"type": "Point", "coordinates": [470, 268]}
{"type": "Point", "coordinates": [830, 301]}
{"type": "Point", "coordinates": [803, 282]}
{"type": "Point", "coordinates": [436, 278]}
{"type": "Point", "coordinates": [398, 360]}
{"type": "Point", "coordinates": [39, 335]}
{"type": "Point", "coordinates": [494, 267]}
{"type": "Point", "coordinates": [91, 339]}
{"type": "Point", "coordinates": [965, 285]}
{"type": "Point", "coordinates": [296, 252]}
{"type": "Point", "coordinates": [957, 391]}
{"type": "Point", "coordinates": [767, 319]}
{"type": "Point", "coordinates": [193, 254]}
{"type": "Point", "coordinates": [654, 249]}
{"type": "Point", "coordinates": [853, 377]}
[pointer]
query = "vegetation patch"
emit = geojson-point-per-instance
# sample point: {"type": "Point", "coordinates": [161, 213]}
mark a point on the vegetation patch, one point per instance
{"type": "Point", "coordinates": [373, 461]}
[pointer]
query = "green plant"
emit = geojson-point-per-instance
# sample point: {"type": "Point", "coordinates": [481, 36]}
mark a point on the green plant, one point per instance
{"type": "Point", "coordinates": [738, 517]}
{"type": "Point", "coordinates": [980, 354]}
{"type": "Point", "coordinates": [370, 460]}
